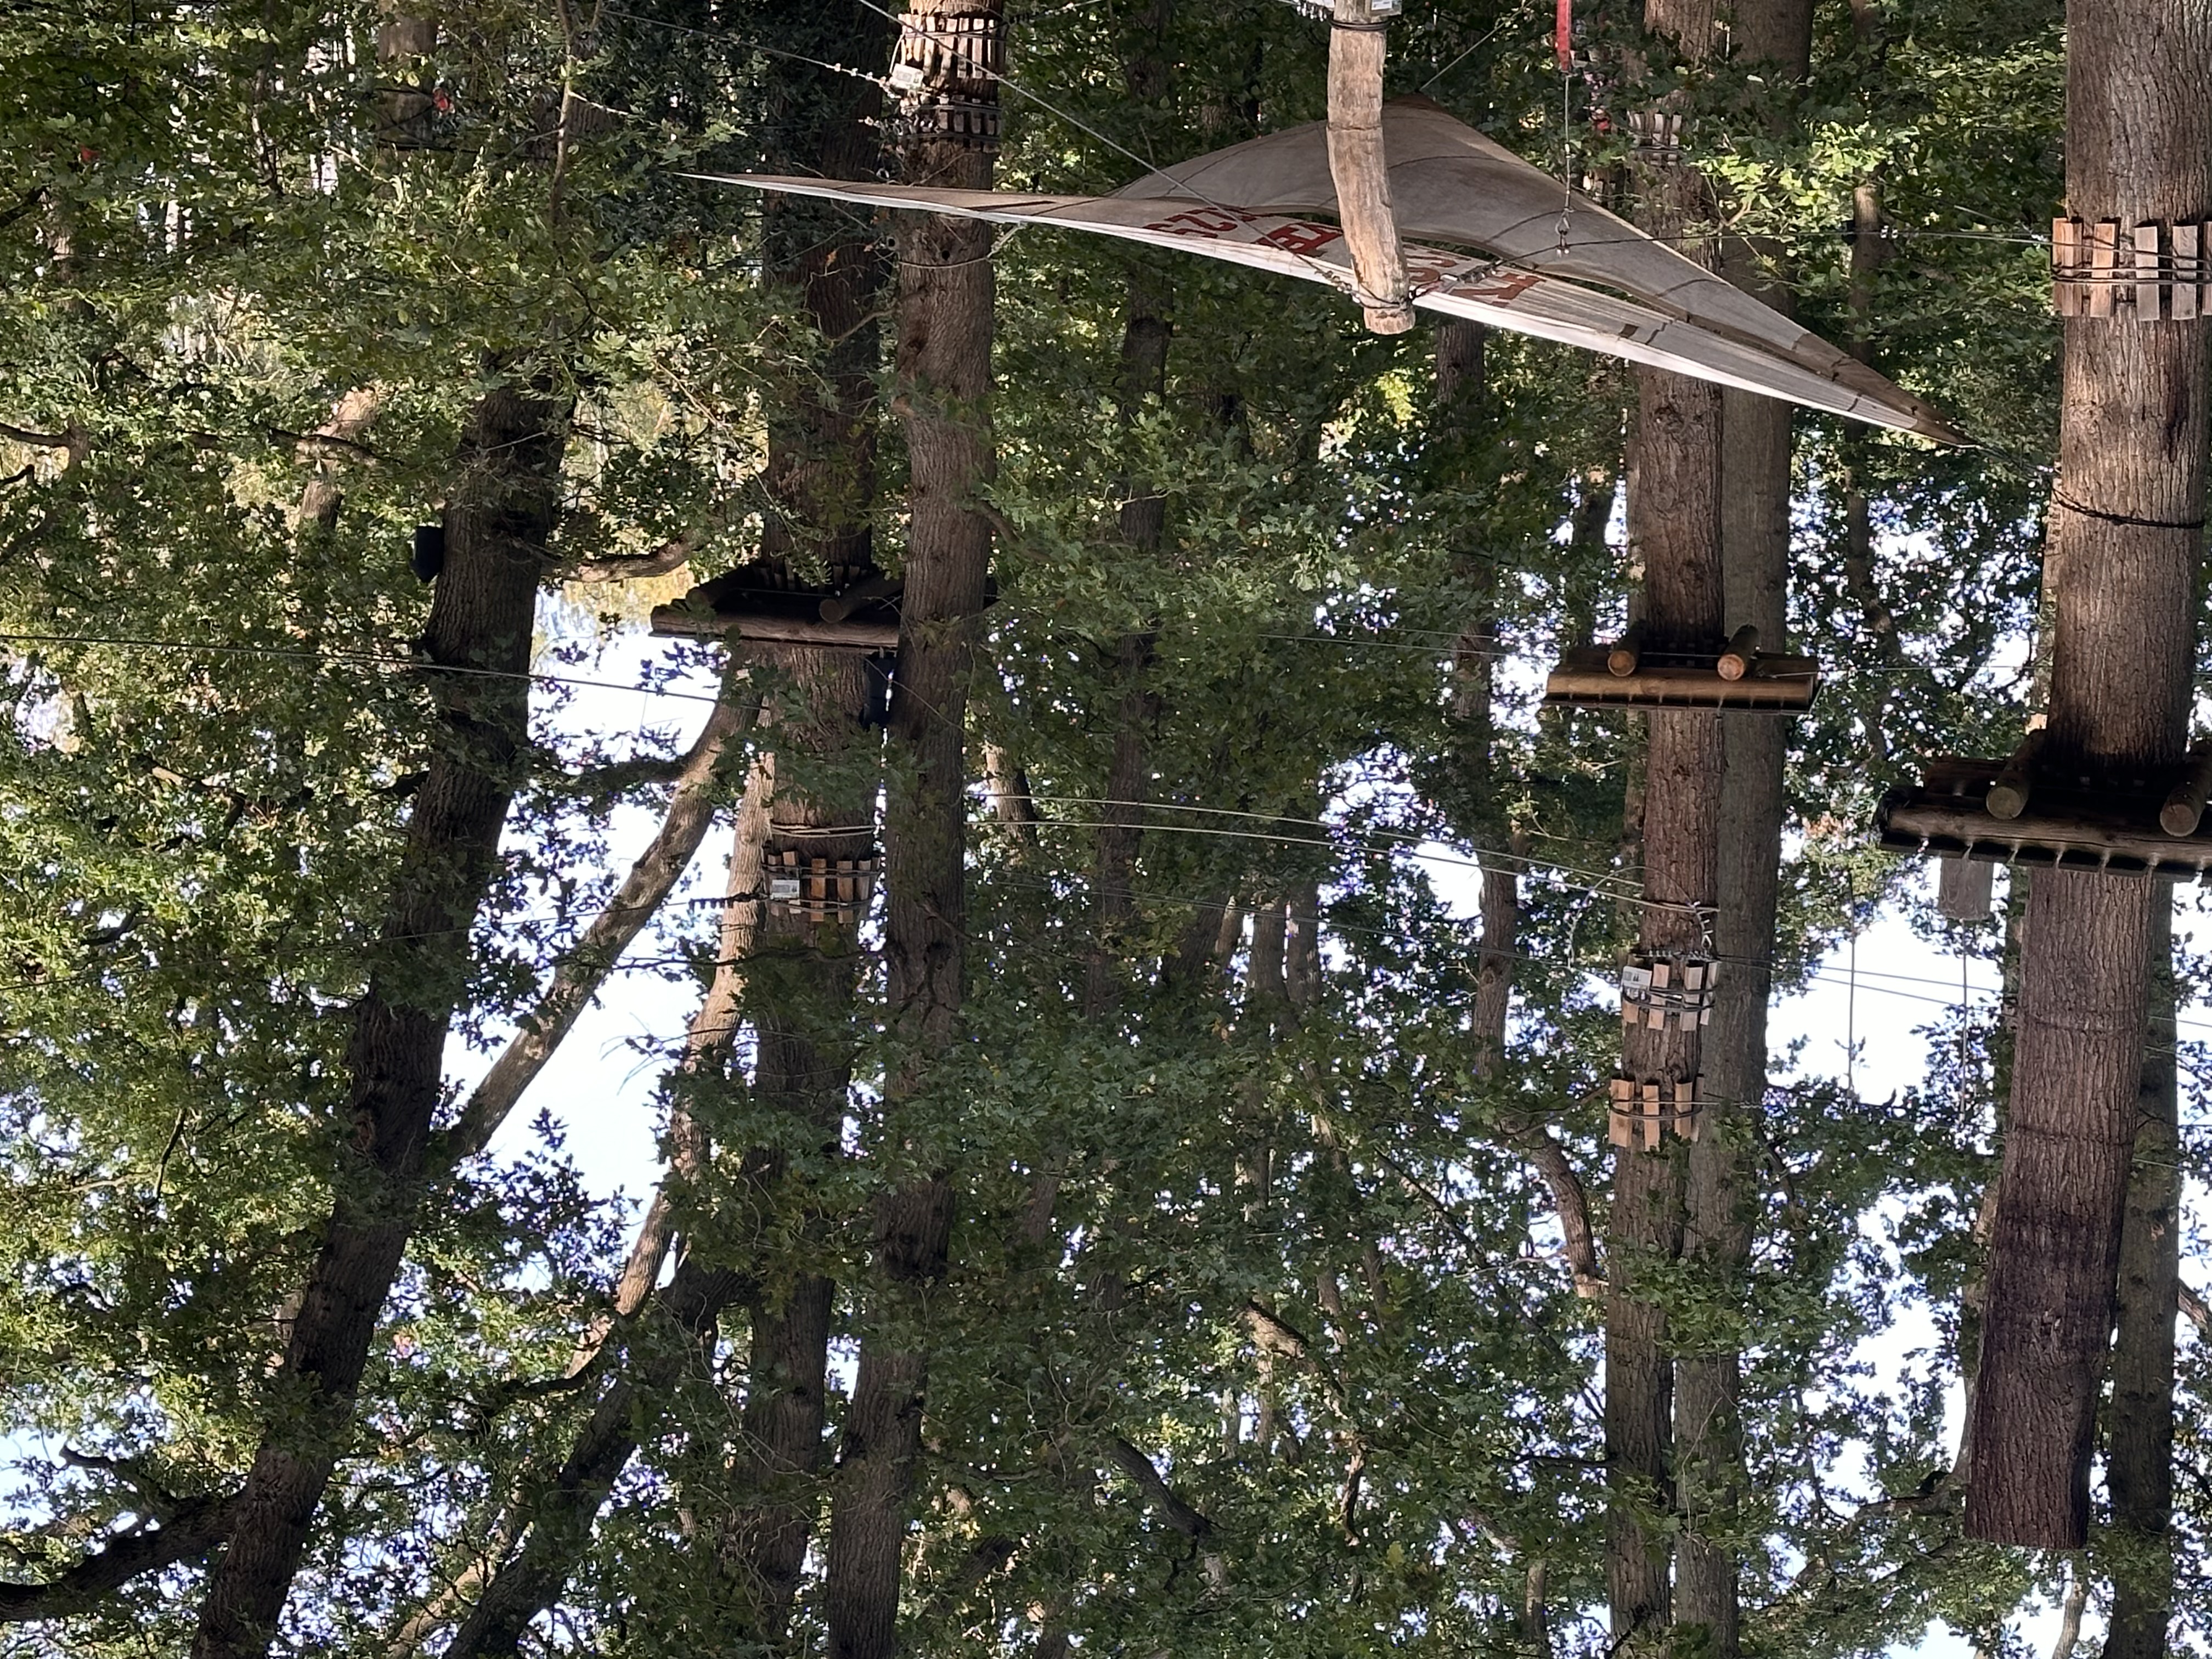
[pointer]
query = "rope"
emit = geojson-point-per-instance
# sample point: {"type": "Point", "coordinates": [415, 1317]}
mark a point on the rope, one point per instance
{"type": "Point", "coordinates": [2059, 498]}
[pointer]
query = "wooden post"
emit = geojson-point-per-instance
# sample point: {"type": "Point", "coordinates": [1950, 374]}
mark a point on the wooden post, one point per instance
{"type": "Point", "coordinates": [1742, 651]}
{"type": "Point", "coordinates": [2066, 270]}
{"type": "Point", "coordinates": [2007, 796]}
{"type": "Point", "coordinates": [1962, 889]}
{"type": "Point", "coordinates": [2149, 279]}
{"type": "Point", "coordinates": [2104, 249]}
{"type": "Point", "coordinates": [2184, 805]}
{"type": "Point", "coordinates": [1621, 661]}
{"type": "Point", "coordinates": [1358, 166]}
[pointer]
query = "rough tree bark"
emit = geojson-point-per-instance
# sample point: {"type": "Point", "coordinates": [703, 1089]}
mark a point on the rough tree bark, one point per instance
{"type": "Point", "coordinates": [497, 523]}
{"type": "Point", "coordinates": [1674, 534]}
{"type": "Point", "coordinates": [2139, 1424]}
{"type": "Point", "coordinates": [943, 373]}
{"type": "Point", "coordinates": [2126, 525]}
{"type": "Point", "coordinates": [805, 978]}
{"type": "Point", "coordinates": [1721, 1196]}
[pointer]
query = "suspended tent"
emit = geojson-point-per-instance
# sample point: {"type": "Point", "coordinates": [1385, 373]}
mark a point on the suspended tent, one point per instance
{"type": "Point", "coordinates": [1480, 234]}
{"type": "Point", "coordinates": [1249, 204]}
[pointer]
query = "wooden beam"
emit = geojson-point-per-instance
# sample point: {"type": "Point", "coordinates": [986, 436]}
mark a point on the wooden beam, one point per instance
{"type": "Point", "coordinates": [1357, 165]}
{"type": "Point", "coordinates": [1777, 685]}
{"type": "Point", "coordinates": [682, 622]}
{"type": "Point", "coordinates": [1951, 826]}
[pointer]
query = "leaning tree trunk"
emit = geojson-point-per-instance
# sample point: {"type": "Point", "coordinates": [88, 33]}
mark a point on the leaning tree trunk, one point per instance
{"type": "Point", "coordinates": [497, 523]}
{"type": "Point", "coordinates": [1722, 1194]}
{"type": "Point", "coordinates": [2127, 517]}
{"type": "Point", "coordinates": [944, 368]}
{"type": "Point", "coordinates": [1674, 532]}
{"type": "Point", "coordinates": [2139, 1452]}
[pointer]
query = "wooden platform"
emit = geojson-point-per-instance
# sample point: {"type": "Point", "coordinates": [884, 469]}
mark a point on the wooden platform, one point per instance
{"type": "Point", "coordinates": [2110, 824]}
{"type": "Point", "coordinates": [861, 616]}
{"type": "Point", "coordinates": [1591, 677]}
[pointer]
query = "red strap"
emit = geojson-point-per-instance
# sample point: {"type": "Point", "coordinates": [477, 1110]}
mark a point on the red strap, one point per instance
{"type": "Point", "coordinates": [1563, 35]}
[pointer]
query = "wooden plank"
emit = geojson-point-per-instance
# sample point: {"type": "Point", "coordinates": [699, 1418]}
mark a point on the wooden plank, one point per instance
{"type": "Point", "coordinates": [1619, 1127]}
{"type": "Point", "coordinates": [2150, 281]}
{"type": "Point", "coordinates": [1916, 821]}
{"type": "Point", "coordinates": [2066, 270]}
{"type": "Point", "coordinates": [2103, 250]}
{"type": "Point", "coordinates": [1963, 889]}
{"type": "Point", "coordinates": [687, 621]}
{"type": "Point", "coordinates": [1357, 164]}
{"type": "Point", "coordinates": [1685, 1109]}
{"type": "Point", "coordinates": [1679, 688]}
{"type": "Point", "coordinates": [2188, 289]}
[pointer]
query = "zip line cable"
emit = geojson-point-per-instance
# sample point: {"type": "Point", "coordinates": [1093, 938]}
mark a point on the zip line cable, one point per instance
{"type": "Point", "coordinates": [418, 665]}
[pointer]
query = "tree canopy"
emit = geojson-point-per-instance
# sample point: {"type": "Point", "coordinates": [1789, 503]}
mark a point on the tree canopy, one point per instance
{"type": "Point", "coordinates": [365, 375]}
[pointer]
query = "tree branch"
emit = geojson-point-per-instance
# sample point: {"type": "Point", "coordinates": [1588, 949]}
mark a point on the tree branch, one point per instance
{"type": "Point", "coordinates": [197, 1525]}
{"type": "Point", "coordinates": [585, 968]}
{"type": "Point", "coordinates": [1161, 1496]}
{"type": "Point", "coordinates": [602, 784]}
{"type": "Point", "coordinates": [2192, 1306]}
{"type": "Point", "coordinates": [74, 441]}
{"type": "Point", "coordinates": [659, 562]}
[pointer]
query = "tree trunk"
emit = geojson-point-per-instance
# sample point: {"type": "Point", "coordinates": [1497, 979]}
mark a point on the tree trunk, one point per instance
{"type": "Point", "coordinates": [943, 372]}
{"type": "Point", "coordinates": [1143, 520]}
{"type": "Point", "coordinates": [1722, 1189]}
{"type": "Point", "coordinates": [806, 980]}
{"type": "Point", "coordinates": [2139, 1456]}
{"type": "Point", "coordinates": [1675, 534]}
{"type": "Point", "coordinates": [497, 523]}
{"type": "Point", "coordinates": [2127, 517]}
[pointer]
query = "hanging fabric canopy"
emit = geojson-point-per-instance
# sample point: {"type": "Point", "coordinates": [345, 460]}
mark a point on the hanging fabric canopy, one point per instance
{"type": "Point", "coordinates": [1448, 184]}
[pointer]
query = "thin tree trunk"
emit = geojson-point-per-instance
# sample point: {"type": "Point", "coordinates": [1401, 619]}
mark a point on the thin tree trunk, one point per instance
{"type": "Point", "coordinates": [799, 977]}
{"type": "Point", "coordinates": [1674, 534]}
{"type": "Point", "coordinates": [497, 525]}
{"type": "Point", "coordinates": [944, 366]}
{"type": "Point", "coordinates": [1720, 1186]}
{"type": "Point", "coordinates": [822, 481]}
{"type": "Point", "coordinates": [2128, 513]}
{"type": "Point", "coordinates": [580, 973]}
{"type": "Point", "coordinates": [2139, 1455]}
{"type": "Point", "coordinates": [1143, 520]}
